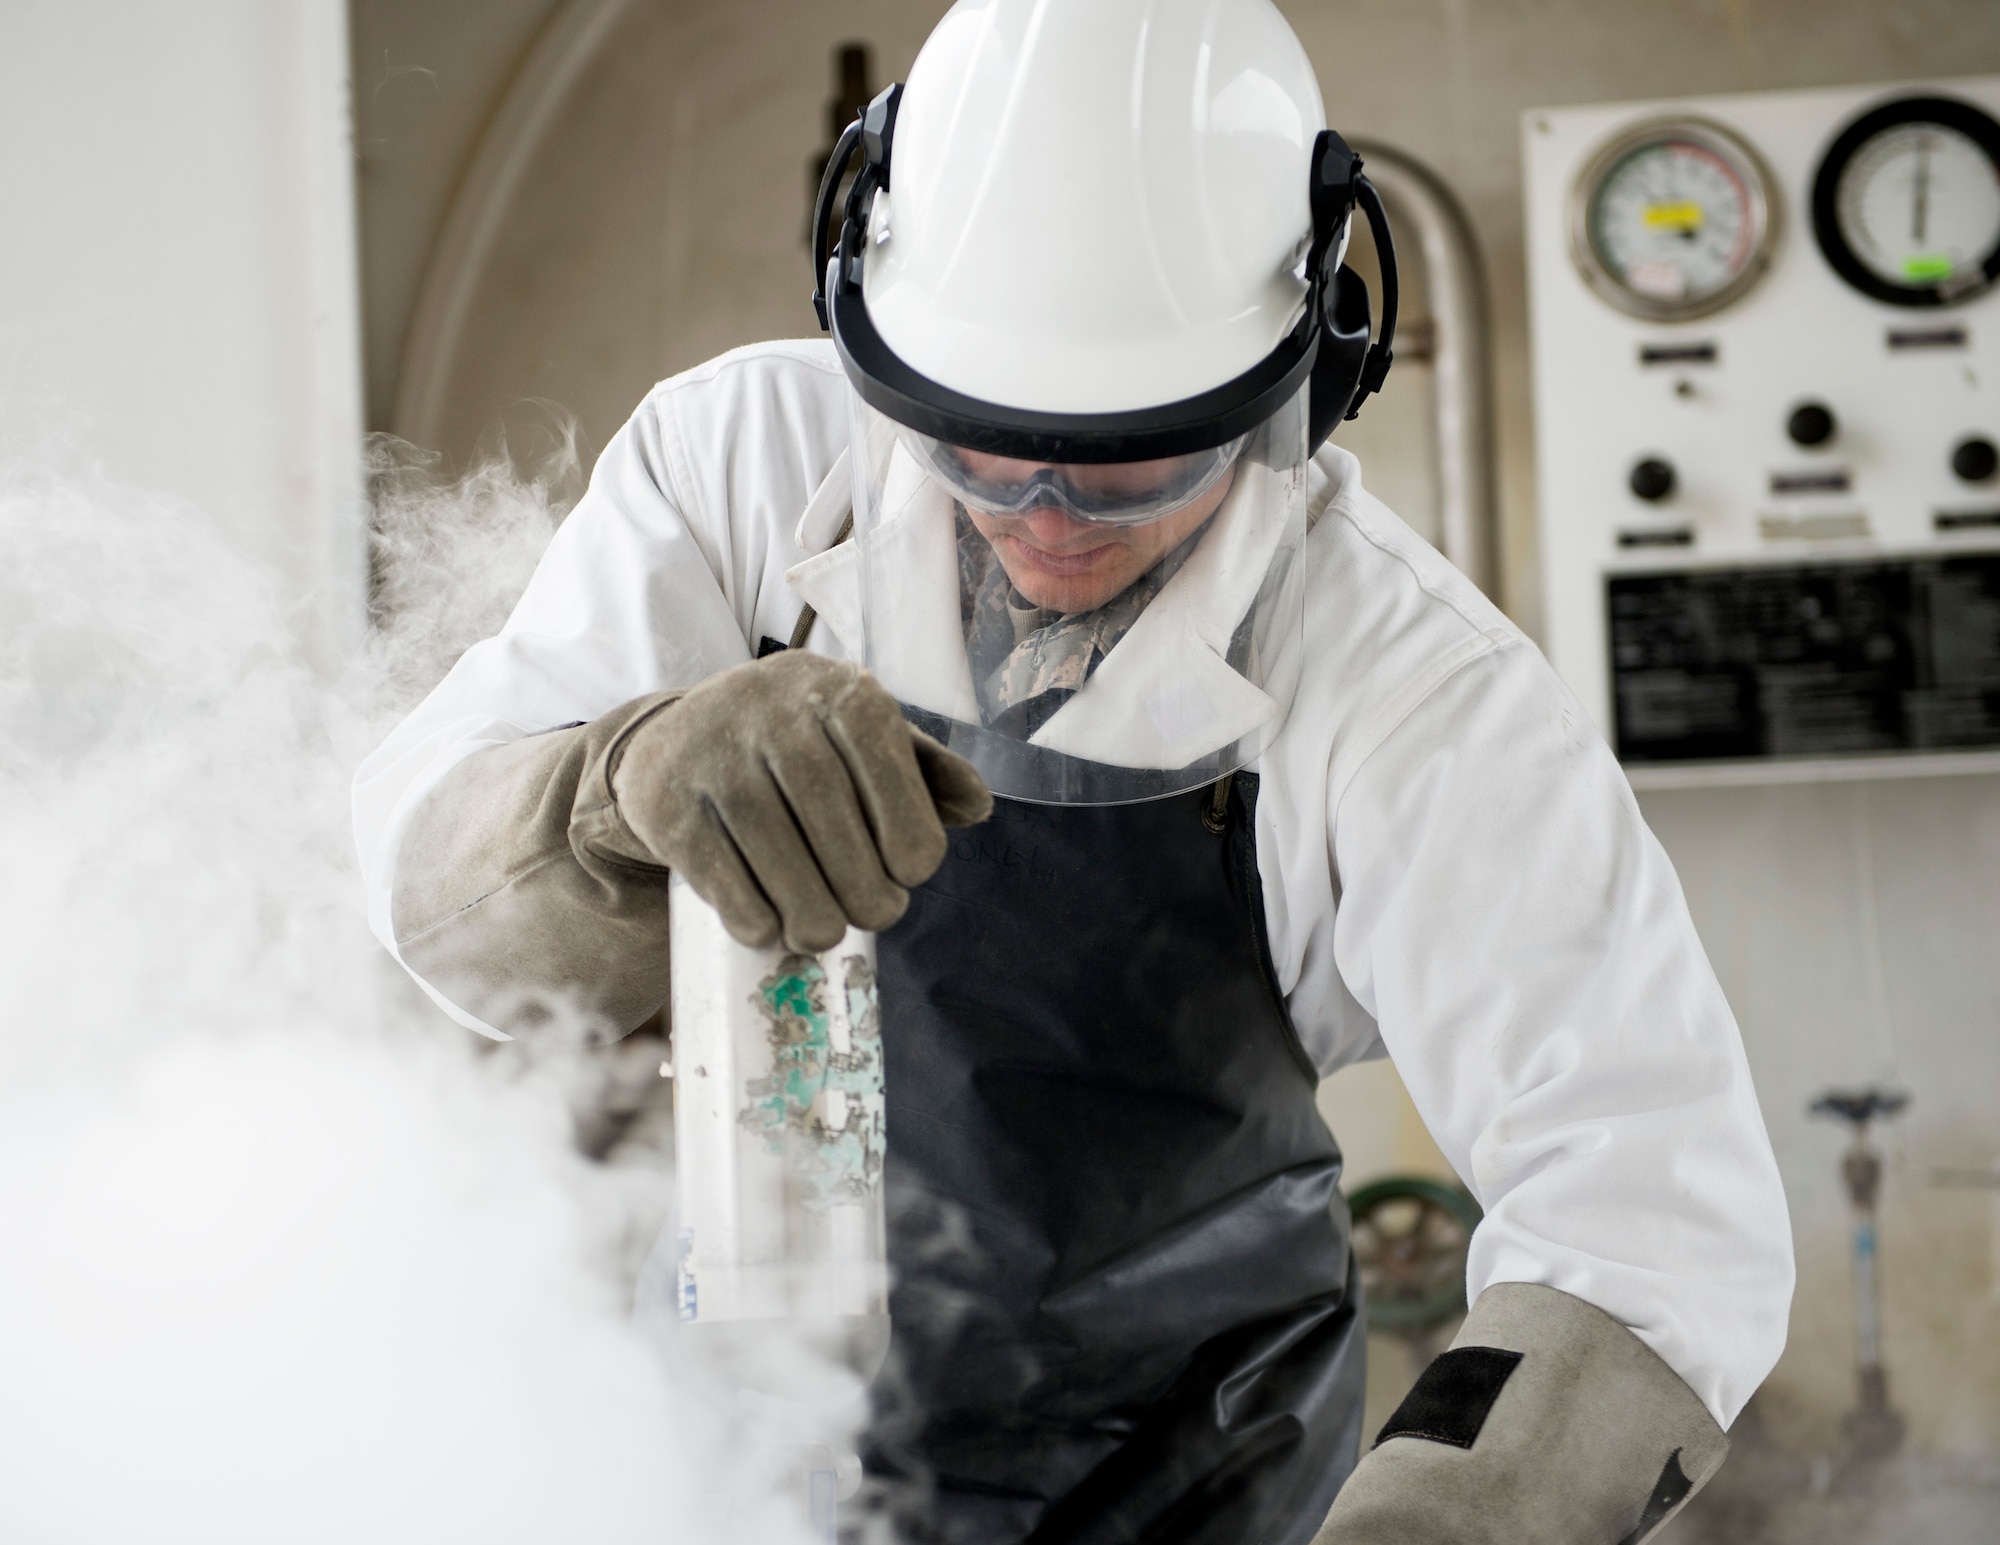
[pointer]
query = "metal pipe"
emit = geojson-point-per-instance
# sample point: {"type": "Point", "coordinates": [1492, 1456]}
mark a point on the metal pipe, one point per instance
{"type": "Point", "coordinates": [1873, 1429]}
{"type": "Point", "coordinates": [528, 112]}
{"type": "Point", "coordinates": [1463, 401]}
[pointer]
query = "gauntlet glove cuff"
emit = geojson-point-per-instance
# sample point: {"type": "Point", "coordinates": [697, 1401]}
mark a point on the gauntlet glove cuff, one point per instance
{"type": "Point", "coordinates": [1547, 1420]}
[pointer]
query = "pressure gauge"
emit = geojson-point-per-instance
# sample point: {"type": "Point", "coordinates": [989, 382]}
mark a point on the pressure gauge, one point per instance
{"type": "Point", "coordinates": [1672, 219]}
{"type": "Point", "coordinates": [1906, 205]}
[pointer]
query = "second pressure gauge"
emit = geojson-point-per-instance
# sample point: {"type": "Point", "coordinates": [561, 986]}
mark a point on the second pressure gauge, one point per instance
{"type": "Point", "coordinates": [1672, 219]}
{"type": "Point", "coordinates": [1906, 205]}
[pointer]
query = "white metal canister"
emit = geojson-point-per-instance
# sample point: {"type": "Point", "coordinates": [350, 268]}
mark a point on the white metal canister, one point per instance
{"type": "Point", "coordinates": [778, 1128]}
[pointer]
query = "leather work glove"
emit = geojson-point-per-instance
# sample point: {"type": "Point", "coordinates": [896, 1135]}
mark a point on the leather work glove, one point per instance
{"type": "Point", "coordinates": [794, 797]}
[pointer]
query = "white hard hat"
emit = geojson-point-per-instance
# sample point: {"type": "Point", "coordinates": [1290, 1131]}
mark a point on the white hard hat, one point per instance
{"type": "Point", "coordinates": [1097, 209]}
{"type": "Point", "coordinates": [1160, 150]}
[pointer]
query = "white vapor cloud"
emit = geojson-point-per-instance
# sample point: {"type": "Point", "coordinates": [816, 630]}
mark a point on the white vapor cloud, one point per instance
{"type": "Point", "coordinates": [282, 1257]}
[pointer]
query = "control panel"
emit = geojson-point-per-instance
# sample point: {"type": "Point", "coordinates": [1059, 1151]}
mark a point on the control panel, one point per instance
{"type": "Point", "coordinates": [1766, 340]}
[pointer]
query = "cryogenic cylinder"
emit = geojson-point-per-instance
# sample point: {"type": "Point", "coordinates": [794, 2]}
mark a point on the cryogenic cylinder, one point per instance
{"type": "Point", "coordinates": [778, 1126]}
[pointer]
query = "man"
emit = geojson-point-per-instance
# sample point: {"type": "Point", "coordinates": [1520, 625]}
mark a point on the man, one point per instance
{"type": "Point", "coordinates": [1272, 789]}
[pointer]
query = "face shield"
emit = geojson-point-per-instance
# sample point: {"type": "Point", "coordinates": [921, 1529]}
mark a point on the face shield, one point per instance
{"type": "Point", "coordinates": [1094, 632]}
{"type": "Point", "coordinates": [1080, 469]}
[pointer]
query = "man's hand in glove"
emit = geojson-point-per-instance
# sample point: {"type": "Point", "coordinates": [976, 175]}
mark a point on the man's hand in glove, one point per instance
{"type": "Point", "coordinates": [794, 797]}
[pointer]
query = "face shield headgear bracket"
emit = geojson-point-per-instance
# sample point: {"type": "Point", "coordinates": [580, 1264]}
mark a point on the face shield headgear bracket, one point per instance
{"type": "Point", "coordinates": [1330, 347]}
{"type": "Point", "coordinates": [1347, 370]}
{"type": "Point", "coordinates": [870, 133]}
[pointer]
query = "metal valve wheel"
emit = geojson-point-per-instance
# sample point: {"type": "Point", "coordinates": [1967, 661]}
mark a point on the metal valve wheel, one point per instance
{"type": "Point", "coordinates": [1411, 1236]}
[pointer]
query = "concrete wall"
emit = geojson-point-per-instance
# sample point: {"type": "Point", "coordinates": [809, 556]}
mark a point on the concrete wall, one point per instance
{"type": "Point", "coordinates": [660, 219]}
{"type": "Point", "coordinates": [177, 288]}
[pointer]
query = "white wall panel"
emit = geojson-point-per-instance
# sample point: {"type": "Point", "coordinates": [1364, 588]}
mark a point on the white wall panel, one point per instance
{"type": "Point", "coordinates": [177, 271]}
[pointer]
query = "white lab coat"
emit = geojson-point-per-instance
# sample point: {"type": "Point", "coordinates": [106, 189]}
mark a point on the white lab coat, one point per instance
{"type": "Point", "coordinates": [1454, 868]}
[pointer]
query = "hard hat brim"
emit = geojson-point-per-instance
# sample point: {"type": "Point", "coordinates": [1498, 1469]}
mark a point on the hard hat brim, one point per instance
{"type": "Point", "coordinates": [894, 388]}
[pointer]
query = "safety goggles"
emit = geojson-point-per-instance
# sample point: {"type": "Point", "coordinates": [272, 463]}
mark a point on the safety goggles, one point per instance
{"type": "Point", "coordinates": [1119, 493]}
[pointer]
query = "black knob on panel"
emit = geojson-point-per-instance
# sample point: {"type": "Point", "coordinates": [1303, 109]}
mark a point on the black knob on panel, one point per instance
{"type": "Point", "coordinates": [1975, 458]}
{"type": "Point", "coordinates": [1652, 479]}
{"type": "Point", "coordinates": [1811, 423]}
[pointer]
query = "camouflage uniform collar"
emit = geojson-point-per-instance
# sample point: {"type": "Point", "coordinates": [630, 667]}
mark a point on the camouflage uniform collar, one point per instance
{"type": "Point", "coordinates": [1027, 661]}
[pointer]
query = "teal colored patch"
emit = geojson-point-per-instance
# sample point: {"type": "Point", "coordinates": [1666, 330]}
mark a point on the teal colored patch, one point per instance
{"type": "Point", "coordinates": [787, 1107]}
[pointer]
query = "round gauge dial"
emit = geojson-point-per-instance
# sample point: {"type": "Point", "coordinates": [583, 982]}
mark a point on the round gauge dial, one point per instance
{"type": "Point", "coordinates": [1906, 205]}
{"type": "Point", "coordinates": [1672, 219]}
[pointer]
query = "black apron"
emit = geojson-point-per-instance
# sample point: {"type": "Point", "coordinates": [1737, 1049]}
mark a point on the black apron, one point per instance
{"type": "Point", "coordinates": [1123, 1307]}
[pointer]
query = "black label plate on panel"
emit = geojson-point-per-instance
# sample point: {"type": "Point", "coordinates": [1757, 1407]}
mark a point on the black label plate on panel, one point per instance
{"type": "Point", "coordinates": [1818, 659]}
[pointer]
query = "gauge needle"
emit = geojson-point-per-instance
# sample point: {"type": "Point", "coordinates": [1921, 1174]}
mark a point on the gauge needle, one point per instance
{"type": "Point", "coordinates": [1920, 215]}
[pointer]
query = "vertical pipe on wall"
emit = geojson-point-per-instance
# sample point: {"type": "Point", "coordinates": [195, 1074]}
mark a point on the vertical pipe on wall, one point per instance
{"type": "Point", "coordinates": [534, 99]}
{"type": "Point", "coordinates": [1464, 402]}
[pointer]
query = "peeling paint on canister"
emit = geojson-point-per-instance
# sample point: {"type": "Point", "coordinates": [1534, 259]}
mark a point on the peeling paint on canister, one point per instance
{"type": "Point", "coordinates": [780, 1146]}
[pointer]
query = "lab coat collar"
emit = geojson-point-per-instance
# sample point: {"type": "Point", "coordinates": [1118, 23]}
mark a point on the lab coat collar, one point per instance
{"type": "Point", "coordinates": [820, 525]}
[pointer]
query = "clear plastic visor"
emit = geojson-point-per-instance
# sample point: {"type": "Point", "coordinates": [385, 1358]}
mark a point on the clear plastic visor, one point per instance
{"type": "Point", "coordinates": [1085, 633]}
